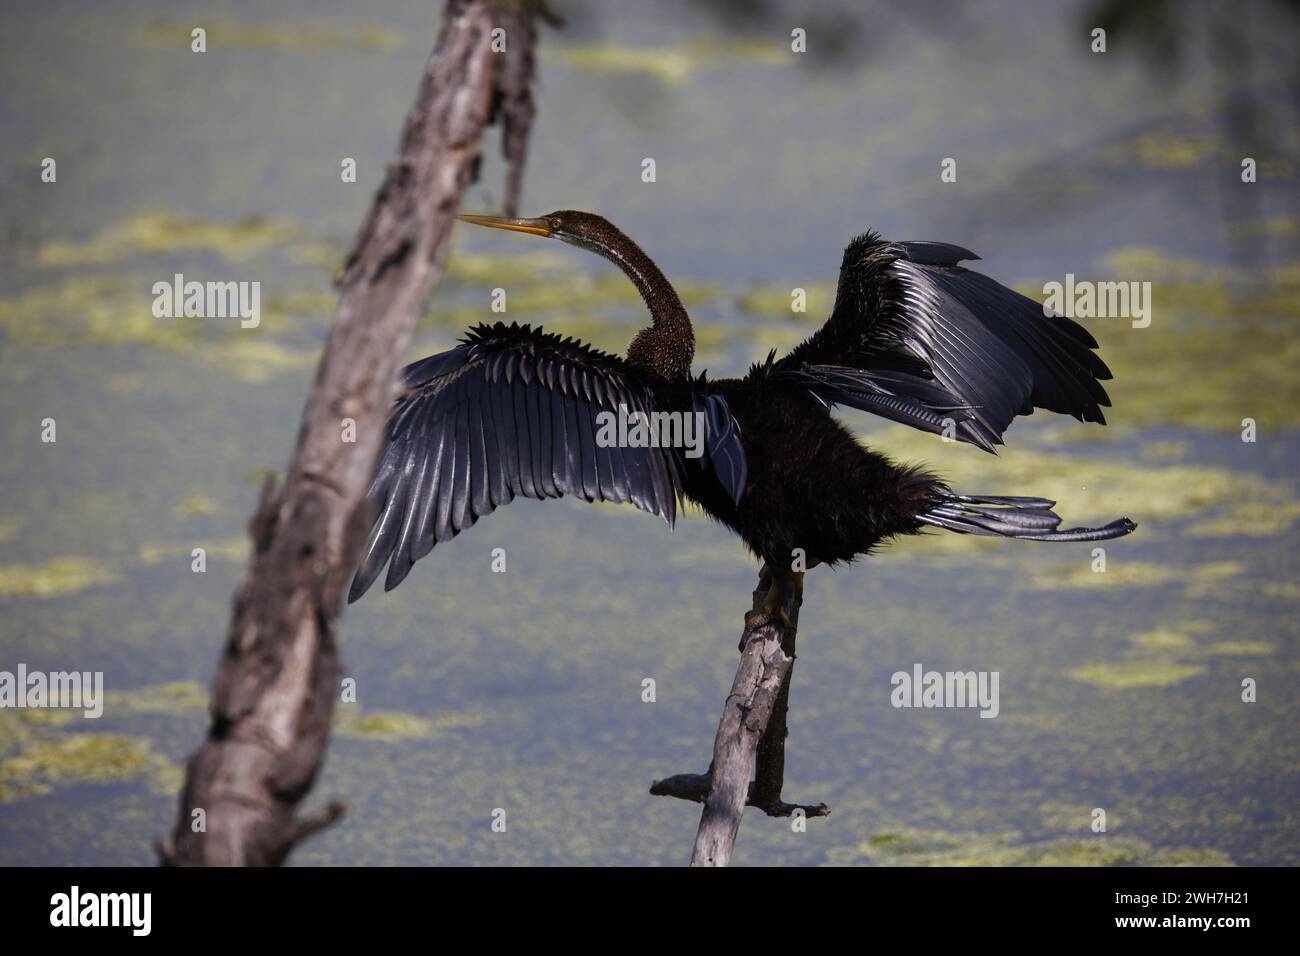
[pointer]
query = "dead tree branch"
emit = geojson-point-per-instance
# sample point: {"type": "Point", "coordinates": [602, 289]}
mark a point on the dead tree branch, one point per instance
{"type": "Point", "coordinates": [751, 732]}
{"type": "Point", "coordinates": [512, 88]}
{"type": "Point", "coordinates": [276, 683]}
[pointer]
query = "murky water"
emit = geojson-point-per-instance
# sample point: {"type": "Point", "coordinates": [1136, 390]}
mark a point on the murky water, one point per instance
{"type": "Point", "coordinates": [522, 690]}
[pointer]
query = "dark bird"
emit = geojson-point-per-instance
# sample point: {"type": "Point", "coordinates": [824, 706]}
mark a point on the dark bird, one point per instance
{"type": "Point", "coordinates": [913, 337]}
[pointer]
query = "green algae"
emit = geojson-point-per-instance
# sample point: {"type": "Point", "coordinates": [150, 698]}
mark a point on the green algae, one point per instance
{"type": "Point", "coordinates": [1063, 817]}
{"type": "Point", "coordinates": [53, 578]}
{"type": "Point", "coordinates": [674, 64]}
{"type": "Point", "coordinates": [391, 725]}
{"type": "Point", "coordinates": [1256, 519]}
{"type": "Point", "coordinates": [1216, 579]}
{"type": "Point", "coordinates": [1162, 639]}
{"type": "Point", "coordinates": [453, 719]}
{"type": "Point", "coordinates": [155, 233]}
{"type": "Point", "coordinates": [1278, 227]}
{"type": "Point", "coordinates": [1287, 590]}
{"type": "Point", "coordinates": [380, 724]}
{"type": "Point", "coordinates": [169, 697]}
{"type": "Point", "coordinates": [94, 310]}
{"type": "Point", "coordinates": [255, 360]}
{"type": "Point", "coordinates": [91, 757]}
{"type": "Point", "coordinates": [328, 256]}
{"type": "Point", "coordinates": [778, 300]}
{"type": "Point", "coordinates": [116, 310]}
{"type": "Point", "coordinates": [84, 309]}
{"type": "Point", "coordinates": [914, 847]}
{"type": "Point", "coordinates": [490, 269]}
{"type": "Point", "coordinates": [194, 505]}
{"type": "Point", "coordinates": [226, 549]}
{"type": "Point", "coordinates": [1170, 449]}
{"type": "Point", "coordinates": [72, 574]}
{"type": "Point", "coordinates": [1173, 372]}
{"type": "Point", "coordinates": [52, 716]}
{"type": "Point", "coordinates": [303, 304]}
{"type": "Point", "coordinates": [302, 37]}
{"type": "Point", "coordinates": [1165, 149]}
{"type": "Point", "coordinates": [1186, 279]}
{"type": "Point", "coordinates": [1167, 656]}
{"type": "Point", "coordinates": [1202, 578]}
{"type": "Point", "coordinates": [1242, 648]}
{"type": "Point", "coordinates": [44, 761]}
{"type": "Point", "coordinates": [1126, 675]}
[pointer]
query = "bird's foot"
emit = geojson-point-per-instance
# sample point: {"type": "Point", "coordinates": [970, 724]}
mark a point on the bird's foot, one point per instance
{"type": "Point", "coordinates": [772, 609]}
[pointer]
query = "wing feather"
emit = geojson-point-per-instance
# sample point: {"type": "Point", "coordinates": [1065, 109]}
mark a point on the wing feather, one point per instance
{"type": "Point", "coordinates": [918, 339]}
{"type": "Point", "coordinates": [509, 412]}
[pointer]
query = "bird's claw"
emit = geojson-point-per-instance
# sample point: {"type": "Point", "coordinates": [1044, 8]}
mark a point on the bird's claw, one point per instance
{"type": "Point", "coordinates": [772, 610]}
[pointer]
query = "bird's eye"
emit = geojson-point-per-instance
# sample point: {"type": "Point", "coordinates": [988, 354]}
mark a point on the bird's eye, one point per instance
{"type": "Point", "coordinates": [555, 224]}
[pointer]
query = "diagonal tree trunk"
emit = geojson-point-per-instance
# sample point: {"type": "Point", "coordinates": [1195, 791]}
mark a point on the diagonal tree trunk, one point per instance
{"type": "Point", "coordinates": [277, 681]}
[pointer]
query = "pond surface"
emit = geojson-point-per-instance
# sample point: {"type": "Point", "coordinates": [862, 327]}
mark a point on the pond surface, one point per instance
{"type": "Point", "coordinates": [522, 691]}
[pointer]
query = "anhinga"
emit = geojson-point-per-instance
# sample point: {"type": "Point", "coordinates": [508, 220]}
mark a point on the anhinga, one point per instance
{"type": "Point", "coordinates": [913, 337]}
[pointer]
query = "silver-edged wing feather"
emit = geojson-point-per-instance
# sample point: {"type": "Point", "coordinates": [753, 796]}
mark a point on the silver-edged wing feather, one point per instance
{"type": "Point", "coordinates": [513, 411]}
{"type": "Point", "coordinates": [918, 339]}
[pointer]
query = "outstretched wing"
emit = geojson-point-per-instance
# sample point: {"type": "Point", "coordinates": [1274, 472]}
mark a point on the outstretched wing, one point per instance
{"type": "Point", "coordinates": [511, 411]}
{"type": "Point", "coordinates": [918, 339]}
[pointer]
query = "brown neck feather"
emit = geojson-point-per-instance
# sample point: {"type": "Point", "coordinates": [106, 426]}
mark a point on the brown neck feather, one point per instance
{"type": "Point", "coordinates": [667, 347]}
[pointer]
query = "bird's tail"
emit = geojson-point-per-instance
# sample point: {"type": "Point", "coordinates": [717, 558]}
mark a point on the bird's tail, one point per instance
{"type": "Point", "coordinates": [1002, 517]}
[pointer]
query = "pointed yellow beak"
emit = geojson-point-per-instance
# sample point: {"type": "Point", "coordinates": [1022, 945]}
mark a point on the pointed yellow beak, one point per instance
{"type": "Point", "coordinates": [534, 227]}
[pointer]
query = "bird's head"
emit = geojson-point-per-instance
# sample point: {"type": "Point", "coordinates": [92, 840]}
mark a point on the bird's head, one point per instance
{"type": "Point", "coordinates": [573, 226]}
{"type": "Point", "coordinates": [667, 347]}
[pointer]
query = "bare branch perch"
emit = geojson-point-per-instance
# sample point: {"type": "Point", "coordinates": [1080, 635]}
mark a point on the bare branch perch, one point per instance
{"type": "Point", "coordinates": [277, 681]}
{"type": "Point", "coordinates": [752, 731]}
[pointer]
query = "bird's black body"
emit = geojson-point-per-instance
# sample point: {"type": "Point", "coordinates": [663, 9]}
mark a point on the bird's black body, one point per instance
{"type": "Point", "coordinates": [913, 337]}
{"type": "Point", "coordinates": [806, 476]}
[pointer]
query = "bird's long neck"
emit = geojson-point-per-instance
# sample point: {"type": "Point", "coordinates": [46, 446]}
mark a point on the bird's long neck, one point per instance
{"type": "Point", "coordinates": [667, 347]}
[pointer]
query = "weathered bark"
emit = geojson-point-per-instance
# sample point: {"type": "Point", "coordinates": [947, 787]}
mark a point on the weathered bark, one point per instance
{"type": "Point", "coordinates": [752, 730]}
{"type": "Point", "coordinates": [275, 687]}
{"type": "Point", "coordinates": [513, 102]}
